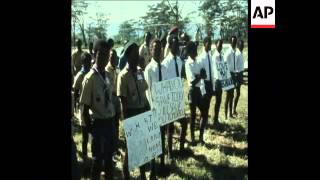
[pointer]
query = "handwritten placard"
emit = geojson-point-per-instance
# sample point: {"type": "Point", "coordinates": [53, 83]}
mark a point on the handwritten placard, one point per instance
{"type": "Point", "coordinates": [224, 75]}
{"type": "Point", "coordinates": [143, 139]}
{"type": "Point", "coordinates": [168, 100]}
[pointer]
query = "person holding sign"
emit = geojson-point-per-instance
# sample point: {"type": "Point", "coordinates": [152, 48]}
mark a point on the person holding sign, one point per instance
{"type": "Point", "coordinates": [154, 73]}
{"type": "Point", "coordinates": [194, 73]}
{"type": "Point", "coordinates": [238, 74]}
{"type": "Point", "coordinates": [207, 63]}
{"type": "Point", "coordinates": [231, 60]}
{"type": "Point", "coordinates": [77, 88]}
{"type": "Point", "coordinates": [173, 66]}
{"type": "Point", "coordinates": [97, 96]}
{"type": "Point", "coordinates": [131, 87]}
{"type": "Point", "coordinates": [218, 59]}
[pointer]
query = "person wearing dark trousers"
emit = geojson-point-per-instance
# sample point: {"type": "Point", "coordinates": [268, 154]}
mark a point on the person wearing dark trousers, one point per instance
{"type": "Point", "coordinates": [113, 72]}
{"type": "Point", "coordinates": [207, 63]}
{"type": "Point", "coordinates": [74, 162]}
{"type": "Point", "coordinates": [77, 88]}
{"type": "Point", "coordinates": [154, 73]}
{"type": "Point", "coordinates": [173, 66]}
{"type": "Point", "coordinates": [194, 73]}
{"type": "Point", "coordinates": [231, 60]}
{"type": "Point", "coordinates": [131, 89]}
{"type": "Point", "coordinates": [239, 69]}
{"type": "Point", "coordinates": [96, 96]}
{"type": "Point", "coordinates": [218, 58]}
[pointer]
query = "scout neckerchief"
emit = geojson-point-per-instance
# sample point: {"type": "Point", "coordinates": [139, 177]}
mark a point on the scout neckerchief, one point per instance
{"type": "Point", "coordinates": [105, 83]}
{"type": "Point", "coordinates": [135, 77]}
{"type": "Point", "coordinates": [209, 67]}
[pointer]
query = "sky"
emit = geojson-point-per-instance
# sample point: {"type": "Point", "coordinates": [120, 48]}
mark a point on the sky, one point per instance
{"type": "Point", "coordinates": [120, 11]}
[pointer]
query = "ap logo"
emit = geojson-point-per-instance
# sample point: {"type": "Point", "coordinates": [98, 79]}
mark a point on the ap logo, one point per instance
{"type": "Point", "coordinates": [263, 14]}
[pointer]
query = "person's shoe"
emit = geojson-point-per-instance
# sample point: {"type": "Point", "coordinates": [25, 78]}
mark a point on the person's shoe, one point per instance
{"type": "Point", "coordinates": [181, 147]}
{"type": "Point", "coordinates": [161, 165]}
{"type": "Point", "coordinates": [170, 155]}
{"type": "Point", "coordinates": [216, 125]}
{"type": "Point", "coordinates": [193, 143]}
{"type": "Point", "coordinates": [84, 158]}
{"type": "Point", "coordinates": [235, 114]}
{"type": "Point", "coordinates": [152, 176]}
{"type": "Point", "coordinates": [202, 142]}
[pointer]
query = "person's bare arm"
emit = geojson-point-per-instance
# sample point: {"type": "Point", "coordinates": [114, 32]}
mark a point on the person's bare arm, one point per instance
{"type": "Point", "coordinates": [124, 102]}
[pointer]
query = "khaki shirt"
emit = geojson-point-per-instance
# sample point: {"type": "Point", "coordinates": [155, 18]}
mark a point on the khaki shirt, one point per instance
{"type": "Point", "coordinates": [76, 61]}
{"type": "Point", "coordinates": [97, 94]}
{"type": "Point", "coordinates": [78, 81]}
{"type": "Point", "coordinates": [133, 87]}
{"type": "Point", "coordinates": [78, 85]}
{"type": "Point", "coordinates": [113, 74]}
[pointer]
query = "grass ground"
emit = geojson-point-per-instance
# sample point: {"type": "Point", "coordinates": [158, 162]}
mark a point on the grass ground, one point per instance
{"type": "Point", "coordinates": [223, 157]}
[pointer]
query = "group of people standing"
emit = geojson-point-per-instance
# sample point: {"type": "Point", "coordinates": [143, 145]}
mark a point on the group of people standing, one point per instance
{"type": "Point", "coordinates": [107, 88]}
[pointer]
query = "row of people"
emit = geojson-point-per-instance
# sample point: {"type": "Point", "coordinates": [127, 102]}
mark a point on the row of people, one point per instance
{"type": "Point", "coordinates": [103, 93]}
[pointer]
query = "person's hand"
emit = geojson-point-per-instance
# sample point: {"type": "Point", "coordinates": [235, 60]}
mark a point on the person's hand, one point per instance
{"type": "Point", "coordinates": [203, 74]}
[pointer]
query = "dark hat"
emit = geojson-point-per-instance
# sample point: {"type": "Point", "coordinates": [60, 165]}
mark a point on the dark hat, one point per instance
{"type": "Point", "coordinates": [173, 30]}
{"type": "Point", "coordinates": [100, 44]}
{"type": "Point", "coordinates": [129, 46]}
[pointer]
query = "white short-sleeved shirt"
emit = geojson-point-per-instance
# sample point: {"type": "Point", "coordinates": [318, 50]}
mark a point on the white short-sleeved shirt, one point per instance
{"type": "Point", "coordinates": [218, 58]}
{"type": "Point", "coordinates": [193, 68]}
{"type": "Point", "coordinates": [151, 74]}
{"type": "Point", "coordinates": [169, 64]}
{"type": "Point", "coordinates": [204, 61]}
{"type": "Point", "coordinates": [234, 62]}
{"type": "Point", "coordinates": [240, 61]}
{"type": "Point", "coordinates": [145, 53]}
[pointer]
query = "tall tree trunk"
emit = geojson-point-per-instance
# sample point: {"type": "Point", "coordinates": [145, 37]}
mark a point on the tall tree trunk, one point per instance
{"type": "Point", "coordinates": [83, 35]}
{"type": "Point", "coordinates": [74, 33]}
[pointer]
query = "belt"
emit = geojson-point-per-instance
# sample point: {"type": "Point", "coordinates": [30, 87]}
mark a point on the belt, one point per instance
{"type": "Point", "coordinates": [235, 73]}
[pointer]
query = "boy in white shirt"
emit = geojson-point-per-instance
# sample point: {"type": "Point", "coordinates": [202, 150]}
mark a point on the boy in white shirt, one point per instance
{"type": "Point", "coordinates": [231, 60]}
{"type": "Point", "coordinates": [218, 58]}
{"type": "Point", "coordinates": [194, 74]}
{"type": "Point", "coordinates": [173, 66]}
{"type": "Point", "coordinates": [238, 74]}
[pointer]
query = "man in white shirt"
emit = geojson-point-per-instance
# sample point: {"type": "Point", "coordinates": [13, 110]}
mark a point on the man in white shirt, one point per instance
{"type": "Point", "coordinates": [238, 74]}
{"type": "Point", "coordinates": [173, 66]}
{"type": "Point", "coordinates": [231, 60]}
{"type": "Point", "coordinates": [144, 50]}
{"type": "Point", "coordinates": [206, 62]}
{"type": "Point", "coordinates": [154, 73]}
{"type": "Point", "coordinates": [217, 58]}
{"type": "Point", "coordinates": [173, 31]}
{"type": "Point", "coordinates": [194, 74]}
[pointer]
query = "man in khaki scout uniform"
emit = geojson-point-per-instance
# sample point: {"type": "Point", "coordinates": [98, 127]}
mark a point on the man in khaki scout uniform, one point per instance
{"type": "Point", "coordinates": [77, 88]}
{"type": "Point", "coordinates": [131, 87]}
{"type": "Point", "coordinates": [97, 96]}
{"type": "Point", "coordinates": [76, 58]}
{"type": "Point", "coordinates": [113, 72]}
